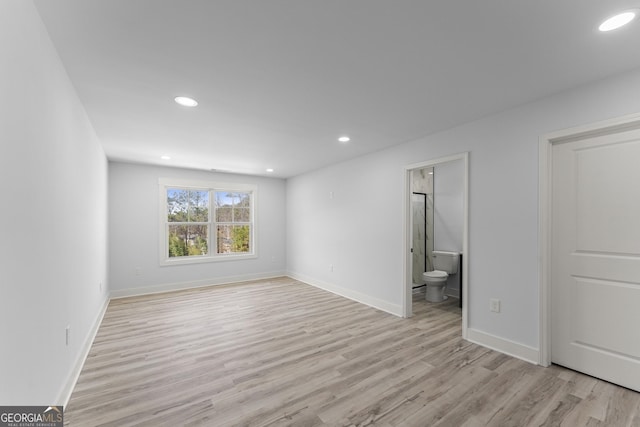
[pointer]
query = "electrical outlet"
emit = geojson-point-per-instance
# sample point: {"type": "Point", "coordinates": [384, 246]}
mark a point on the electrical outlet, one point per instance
{"type": "Point", "coordinates": [331, 268]}
{"type": "Point", "coordinates": [494, 305]}
{"type": "Point", "coordinates": [138, 271]}
{"type": "Point", "coordinates": [330, 194]}
{"type": "Point", "coordinates": [100, 286]}
{"type": "Point", "coordinates": [67, 334]}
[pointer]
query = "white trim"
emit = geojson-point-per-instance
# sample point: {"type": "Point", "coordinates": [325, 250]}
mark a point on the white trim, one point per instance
{"type": "Point", "coordinates": [511, 348]}
{"type": "Point", "coordinates": [179, 286]}
{"type": "Point", "coordinates": [407, 238]}
{"type": "Point", "coordinates": [604, 127]}
{"type": "Point", "coordinates": [407, 287]}
{"type": "Point", "coordinates": [72, 378]}
{"type": "Point", "coordinates": [619, 124]}
{"type": "Point", "coordinates": [434, 162]}
{"type": "Point", "coordinates": [197, 259]}
{"type": "Point", "coordinates": [544, 239]}
{"type": "Point", "coordinates": [452, 293]}
{"type": "Point", "coordinates": [465, 249]}
{"type": "Point", "coordinates": [386, 306]}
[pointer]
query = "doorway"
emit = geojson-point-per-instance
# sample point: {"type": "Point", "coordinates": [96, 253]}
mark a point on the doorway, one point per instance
{"type": "Point", "coordinates": [408, 232]}
{"type": "Point", "coordinates": [422, 224]}
{"type": "Point", "coordinates": [590, 270]}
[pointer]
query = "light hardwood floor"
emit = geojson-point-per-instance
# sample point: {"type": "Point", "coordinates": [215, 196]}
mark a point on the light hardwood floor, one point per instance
{"type": "Point", "coordinates": [283, 353]}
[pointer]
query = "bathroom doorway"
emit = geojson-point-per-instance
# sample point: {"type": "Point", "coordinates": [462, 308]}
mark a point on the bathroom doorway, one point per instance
{"type": "Point", "coordinates": [422, 223]}
{"type": "Point", "coordinates": [418, 194]}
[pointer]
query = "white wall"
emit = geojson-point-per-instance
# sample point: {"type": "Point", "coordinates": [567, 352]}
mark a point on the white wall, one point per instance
{"type": "Point", "coordinates": [448, 205]}
{"type": "Point", "coordinates": [54, 216]}
{"type": "Point", "coordinates": [134, 232]}
{"type": "Point", "coordinates": [448, 217]}
{"type": "Point", "coordinates": [355, 231]}
{"type": "Point", "coordinates": [361, 229]}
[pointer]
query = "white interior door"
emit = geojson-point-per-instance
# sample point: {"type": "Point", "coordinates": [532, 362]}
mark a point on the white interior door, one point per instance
{"type": "Point", "coordinates": [595, 257]}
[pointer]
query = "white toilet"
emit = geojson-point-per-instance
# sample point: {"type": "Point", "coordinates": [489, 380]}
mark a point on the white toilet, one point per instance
{"type": "Point", "coordinates": [444, 263]}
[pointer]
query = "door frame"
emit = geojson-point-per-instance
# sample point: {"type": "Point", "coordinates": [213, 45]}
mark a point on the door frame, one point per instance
{"type": "Point", "coordinates": [545, 156]}
{"type": "Point", "coordinates": [407, 289]}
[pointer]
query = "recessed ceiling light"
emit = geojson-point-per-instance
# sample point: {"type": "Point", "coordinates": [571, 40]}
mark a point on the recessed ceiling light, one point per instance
{"type": "Point", "coordinates": [617, 21]}
{"type": "Point", "coordinates": [165, 157]}
{"type": "Point", "coordinates": [269, 170]}
{"type": "Point", "coordinates": [344, 139]}
{"type": "Point", "coordinates": [186, 101]}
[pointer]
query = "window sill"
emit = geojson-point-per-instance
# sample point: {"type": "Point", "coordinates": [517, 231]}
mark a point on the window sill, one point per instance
{"type": "Point", "coordinates": [206, 259]}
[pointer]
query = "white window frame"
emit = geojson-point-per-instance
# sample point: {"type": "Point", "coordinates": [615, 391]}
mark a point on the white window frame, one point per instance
{"type": "Point", "coordinates": [163, 229]}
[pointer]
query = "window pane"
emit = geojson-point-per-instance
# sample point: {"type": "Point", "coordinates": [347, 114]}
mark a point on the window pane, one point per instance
{"type": "Point", "coordinates": [241, 214]}
{"type": "Point", "coordinates": [243, 200]}
{"type": "Point", "coordinates": [229, 198]}
{"type": "Point", "coordinates": [177, 204]}
{"type": "Point", "coordinates": [224, 206]}
{"type": "Point", "coordinates": [198, 206]}
{"type": "Point", "coordinates": [224, 199]}
{"type": "Point", "coordinates": [188, 240]}
{"type": "Point", "coordinates": [233, 206]}
{"type": "Point", "coordinates": [233, 238]}
{"type": "Point", "coordinates": [224, 214]}
{"type": "Point", "coordinates": [187, 205]}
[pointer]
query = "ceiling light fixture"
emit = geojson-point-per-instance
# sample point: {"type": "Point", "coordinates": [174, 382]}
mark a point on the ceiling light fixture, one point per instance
{"type": "Point", "coordinates": [269, 170]}
{"type": "Point", "coordinates": [617, 21]}
{"type": "Point", "coordinates": [186, 101]}
{"type": "Point", "coordinates": [344, 139]}
{"type": "Point", "coordinates": [165, 157]}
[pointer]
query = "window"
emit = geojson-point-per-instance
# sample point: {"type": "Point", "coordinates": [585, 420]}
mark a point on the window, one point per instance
{"type": "Point", "coordinates": [233, 221]}
{"type": "Point", "coordinates": [188, 222]}
{"type": "Point", "coordinates": [202, 223]}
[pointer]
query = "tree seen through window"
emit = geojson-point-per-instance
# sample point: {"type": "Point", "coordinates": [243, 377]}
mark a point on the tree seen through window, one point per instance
{"type": "Point", "coordinates": [190, 225]}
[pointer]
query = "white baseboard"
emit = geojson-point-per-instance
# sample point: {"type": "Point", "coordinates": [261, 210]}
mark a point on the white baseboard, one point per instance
{"type": "Point", "coordinates": [67, 389]}
{"type": "Point", "coordinates": [390, 308]}
{"type": "Point", "coordinates": [170, 287]}
{"type": "Point", "coordinates": [455, 293]}
{"type": "Point", "coordinates": [520, 351]}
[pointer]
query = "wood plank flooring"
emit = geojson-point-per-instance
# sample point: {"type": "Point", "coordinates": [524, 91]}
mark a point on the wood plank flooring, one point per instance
{"type": "Point", "coordinates": [282, 353]}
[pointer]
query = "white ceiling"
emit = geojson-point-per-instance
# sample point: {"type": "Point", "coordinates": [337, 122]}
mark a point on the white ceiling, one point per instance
{"type": "Point", "coordinates": [278, 81]}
